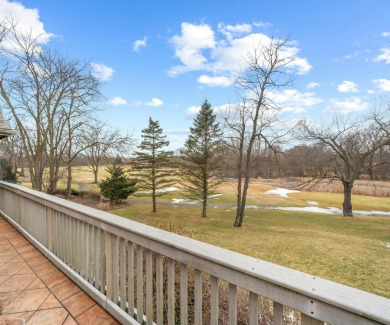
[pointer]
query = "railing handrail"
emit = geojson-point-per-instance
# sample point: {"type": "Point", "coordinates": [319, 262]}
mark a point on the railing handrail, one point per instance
{"type": "Point", "coordinates": [352, 300]}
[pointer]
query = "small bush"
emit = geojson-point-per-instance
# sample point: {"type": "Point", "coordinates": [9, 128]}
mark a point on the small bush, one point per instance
{"type": "Point", "coordinates": [118, 186]}
{"type": "Point", "coordinates": [7, 172]}
{"type": "Point", "coordinates": [74, 192]}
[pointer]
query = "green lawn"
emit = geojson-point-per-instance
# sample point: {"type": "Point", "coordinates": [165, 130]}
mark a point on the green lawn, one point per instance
{"type": "Point", "coordinates": [351, 251]}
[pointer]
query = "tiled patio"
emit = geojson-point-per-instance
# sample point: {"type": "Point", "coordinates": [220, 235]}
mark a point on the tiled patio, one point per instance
{"type": "Point", "coordinates": [34, 291]}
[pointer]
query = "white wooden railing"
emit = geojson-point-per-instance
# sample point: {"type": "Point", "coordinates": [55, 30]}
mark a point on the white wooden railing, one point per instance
{"type": "Point", "coordinates": [141, 274]}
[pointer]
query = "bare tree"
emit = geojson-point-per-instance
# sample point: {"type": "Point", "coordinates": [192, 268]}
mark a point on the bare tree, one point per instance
{"type": "Point", "coordinates": [354, 143]}
{"type": "Point", "coordinates": [256, 113]}
{"type": "Point", "coordinates": [100, 141]}
{"type": "Point", "coordinates": [47, 95]}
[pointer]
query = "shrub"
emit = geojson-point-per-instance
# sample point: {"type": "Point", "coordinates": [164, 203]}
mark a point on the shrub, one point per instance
{"type": "Point", "coordinates": [118, 186]}
{"type": "Point", "coordinates": [7, 172]}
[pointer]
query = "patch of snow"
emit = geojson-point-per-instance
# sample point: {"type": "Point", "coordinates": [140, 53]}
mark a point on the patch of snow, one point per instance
{"type": "Point", "coordinates": [161, 190]}
{"type": "Point", "coordinates": [168, 189]}
{"type": "Point", "coordinates": [184, 201]}
{"type": "Point", "coordinates": [387, 245]}
{"type": "Point", "coordinates": [330, 210]}
{"type": "Point", "coordinates": [177, 200]}
{"type": "Point", "coordinates": [214, 196]}
{"type": "Point", "coordinates": [312, 202]}
{"type": "Point", "coordinates": [333, 210]}
{"type": "Point", "coordinates": [282, 192]}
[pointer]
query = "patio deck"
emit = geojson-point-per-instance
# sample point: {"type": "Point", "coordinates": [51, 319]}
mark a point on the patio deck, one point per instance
{"type": "Point", "coordinates": [34, 291]}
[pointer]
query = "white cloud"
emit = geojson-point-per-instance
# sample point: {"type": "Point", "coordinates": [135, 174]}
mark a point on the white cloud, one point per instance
{"type": "Point", "coordinates": [385, 56]}
{"type": "Point", "coordinates": [188, 47]}
{"type": "Point", "coordinates": [386, 34]}
{"type": "Point", "coordinates": [262, 24]}
{"type": "Point", "coordinates": [139, 43]}
{"type": "Point", "coordinates": [291, 100]}
{"type": "Point", "coordinates": [117, 101]}
{"type": "Point", "coordinates": [220, 81]}
{"type": "Point", "coordinates": [102, 71]}
{"type": "Point", "coordinates": [234, 30]}
{"type": "Point", "coordinates": [382, 84]}
{"type": "Point", "coordinates": [27, 21]}
{"type": "Point", "coordinates": [192, 111]}
{"type": "Point", "coordinates": [155, 102]}
{"type": "Point", "coordinates": [312, 85]}
{"type": "Point", "coordinates": [223, 52]}
{"type": "Point", "coordinates": [347, 87]}
{"type": "Point", "coordinates": [352, 104]}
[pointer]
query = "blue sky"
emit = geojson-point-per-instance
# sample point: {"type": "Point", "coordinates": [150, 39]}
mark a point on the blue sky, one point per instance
{"type": "Point", "coordinates": [163, 58]}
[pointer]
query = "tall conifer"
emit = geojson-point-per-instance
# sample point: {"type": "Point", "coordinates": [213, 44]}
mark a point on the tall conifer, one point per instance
{"type": "Point", "coordinates": [152, 162]}
{"type": "Point", "coordinates": [202, 156]}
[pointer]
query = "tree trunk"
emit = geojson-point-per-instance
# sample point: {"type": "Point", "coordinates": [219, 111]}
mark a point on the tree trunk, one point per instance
{"type": "Point", "coordinates": [154, 200]}
{"type": "Point", "coordinates": [95, 174]}
{"type": "Point", "coordinates": [204, 209]}
{"type": "Point", "coordinates": [347, 204]}
{"type": "Point", "coordinates": [243, 203]}
{"type": "Point", "coordinates": [205, 192]}
{"type": "Point", "coordinates": [69, 182]}
{"type": "Point", "coordinates": [247, 175]}
{"type": "Point", "coordinates": [204, 214]}
{"type": "Point", "coordinates": [238, 220]}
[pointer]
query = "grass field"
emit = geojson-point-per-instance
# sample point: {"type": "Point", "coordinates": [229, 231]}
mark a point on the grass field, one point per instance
{"type": "Point", "coordinates": [353, 251]}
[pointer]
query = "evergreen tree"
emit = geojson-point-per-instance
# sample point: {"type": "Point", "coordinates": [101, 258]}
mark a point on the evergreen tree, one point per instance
{"type": "Point", "coordinates": [202, 156]}
{"type": "Point", "coordinates": [152, 162]}
{"type": "Point", "coordinates": [118, 186]}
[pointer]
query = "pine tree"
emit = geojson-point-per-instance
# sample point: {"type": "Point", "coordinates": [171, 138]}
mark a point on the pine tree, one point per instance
{"type": "Point", "coordinates": [152, 163]}
{"type": "Point", "coordinates": [202, 156]}
{"type": "Point", "coordinates": [118, 186]}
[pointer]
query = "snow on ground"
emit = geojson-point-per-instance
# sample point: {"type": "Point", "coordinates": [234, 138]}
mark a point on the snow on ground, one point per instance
{"type": "Point", "coordinates": [282, 192]}
{"type": "Point", "coordinates": [387, 245]}
{"type": "Point", "coordinates": [174, 200]}
{"type": "Point", "coordinates": [333, 210]}
{"type": "Point", "coordinates": [184, 201]}
{"type": "Point", "coordinates": [312, 202]}
{"type": "Point", "coordinates": [214, 196]}
{"type": "Point", "coordinates": [329, 210]}
{"type": "Point", "coordinates": [162, 190]}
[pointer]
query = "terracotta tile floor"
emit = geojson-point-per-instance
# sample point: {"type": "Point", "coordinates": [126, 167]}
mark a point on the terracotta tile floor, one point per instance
{"type": "Point", "coordinates": [34, 291]}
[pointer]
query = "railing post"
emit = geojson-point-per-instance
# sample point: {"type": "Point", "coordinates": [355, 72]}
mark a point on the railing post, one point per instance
{"type": "Point", "coordinates": [278, 313]}
{"type": "Point", "coordinates": [22, 211]}
{"type": "Point", "coordinates": [49, 228]}
{"type": "Point", "coordinates": [108, 250]}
